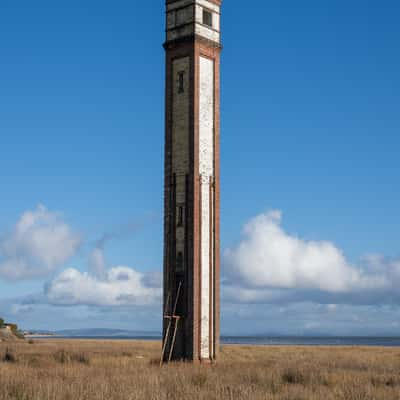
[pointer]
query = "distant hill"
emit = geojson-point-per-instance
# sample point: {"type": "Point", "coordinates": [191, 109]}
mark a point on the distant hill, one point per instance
{"type": "Point", "coordinates": [104, 332]}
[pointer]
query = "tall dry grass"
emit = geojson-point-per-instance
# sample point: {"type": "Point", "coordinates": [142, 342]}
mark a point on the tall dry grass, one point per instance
{"type": "Point", "coordinates": [116, 370]}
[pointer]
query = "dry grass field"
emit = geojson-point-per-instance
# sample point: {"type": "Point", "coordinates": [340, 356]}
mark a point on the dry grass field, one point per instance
{"type": "Point", "coordinates": [116, 370]}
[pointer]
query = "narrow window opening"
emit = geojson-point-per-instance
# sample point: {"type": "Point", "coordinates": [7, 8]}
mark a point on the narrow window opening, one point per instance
{"type": "Point", "coordinates": [180, 215]}
{"type": "Point", "coordinates": [207, 18]}
{"type": "Point", "coordinates": [181, 82]}
{"type": "Point", "coordinates": [179, 262]}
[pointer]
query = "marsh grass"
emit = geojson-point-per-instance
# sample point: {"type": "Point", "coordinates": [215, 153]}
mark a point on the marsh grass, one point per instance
{"type": "Point", "coordinates": [9, 356]}
{"type": "Point", "coordinates": [119, 370]}
{"type": "Point", "coordinates": [63, 357]}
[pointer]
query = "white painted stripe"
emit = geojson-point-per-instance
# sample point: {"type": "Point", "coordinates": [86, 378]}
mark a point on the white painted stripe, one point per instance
{"type": "Point", "coordinates": [206, 170]}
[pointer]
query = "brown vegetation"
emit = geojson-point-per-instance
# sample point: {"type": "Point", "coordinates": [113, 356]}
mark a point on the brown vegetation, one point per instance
{"type": "Point", "coordinates": [9, 332]}
{"type": "Point", "coordinates": [116, 370]}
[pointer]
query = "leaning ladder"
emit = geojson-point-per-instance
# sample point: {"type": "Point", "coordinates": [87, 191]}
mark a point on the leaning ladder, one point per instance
{"type": "Point", "coordinates": [173, 319]}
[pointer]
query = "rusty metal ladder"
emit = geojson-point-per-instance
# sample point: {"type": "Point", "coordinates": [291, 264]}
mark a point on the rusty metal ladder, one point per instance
{"type": "Point", "coordinates": [173, 319]}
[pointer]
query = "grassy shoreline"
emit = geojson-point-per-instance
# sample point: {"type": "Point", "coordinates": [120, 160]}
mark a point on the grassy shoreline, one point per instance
{"type": "Point", "coordinates": [85, 369]}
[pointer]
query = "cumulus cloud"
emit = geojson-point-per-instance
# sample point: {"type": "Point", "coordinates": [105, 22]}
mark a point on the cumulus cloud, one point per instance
{"type": "Point", "coordinates": [105, 286]}
{"type": "Point", "coordinates": [120, 286]}
{"type": "Point", "coordinates": [270, 265]}
{"type": "Point", "coordinates": [39, 243]}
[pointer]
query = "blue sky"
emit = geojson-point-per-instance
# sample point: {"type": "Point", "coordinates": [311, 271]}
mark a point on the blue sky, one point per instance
{"type": "Point", "coordinates": [310, 127]}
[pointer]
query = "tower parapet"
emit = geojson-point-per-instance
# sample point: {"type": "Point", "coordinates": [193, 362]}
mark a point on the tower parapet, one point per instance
{"type": "Point", "coordinates": [191, 18]}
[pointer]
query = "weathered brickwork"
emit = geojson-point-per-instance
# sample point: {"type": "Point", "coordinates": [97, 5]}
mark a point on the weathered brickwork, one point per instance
{"type": "Point", "coordinates": [180, 151]}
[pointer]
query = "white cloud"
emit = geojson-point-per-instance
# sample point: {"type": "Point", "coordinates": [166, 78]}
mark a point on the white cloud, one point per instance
{"type": "Point", "coordinates": [39, 243]}
{"type": "Point", "coordinates": [120, 286]}
{"type": "Point", "coordinates": [269, 264]}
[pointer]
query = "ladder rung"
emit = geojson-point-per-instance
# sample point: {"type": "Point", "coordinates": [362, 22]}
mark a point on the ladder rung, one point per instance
{"type": "Point", "coordinates": [171, 318]}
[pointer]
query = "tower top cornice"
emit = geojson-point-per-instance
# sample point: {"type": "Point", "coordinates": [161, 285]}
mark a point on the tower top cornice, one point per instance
{"type": "Point", "coordinates": [193, 18]}
{"type": "Point", "coordinates": [216, 2]}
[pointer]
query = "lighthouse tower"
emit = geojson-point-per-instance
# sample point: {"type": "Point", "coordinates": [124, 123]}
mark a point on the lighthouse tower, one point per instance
{"type": "Point", "coordinates": [192, 189]}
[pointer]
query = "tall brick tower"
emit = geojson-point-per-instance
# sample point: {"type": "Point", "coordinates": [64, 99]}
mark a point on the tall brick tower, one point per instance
{"type": "Point", "coordinates": [192, 191]}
